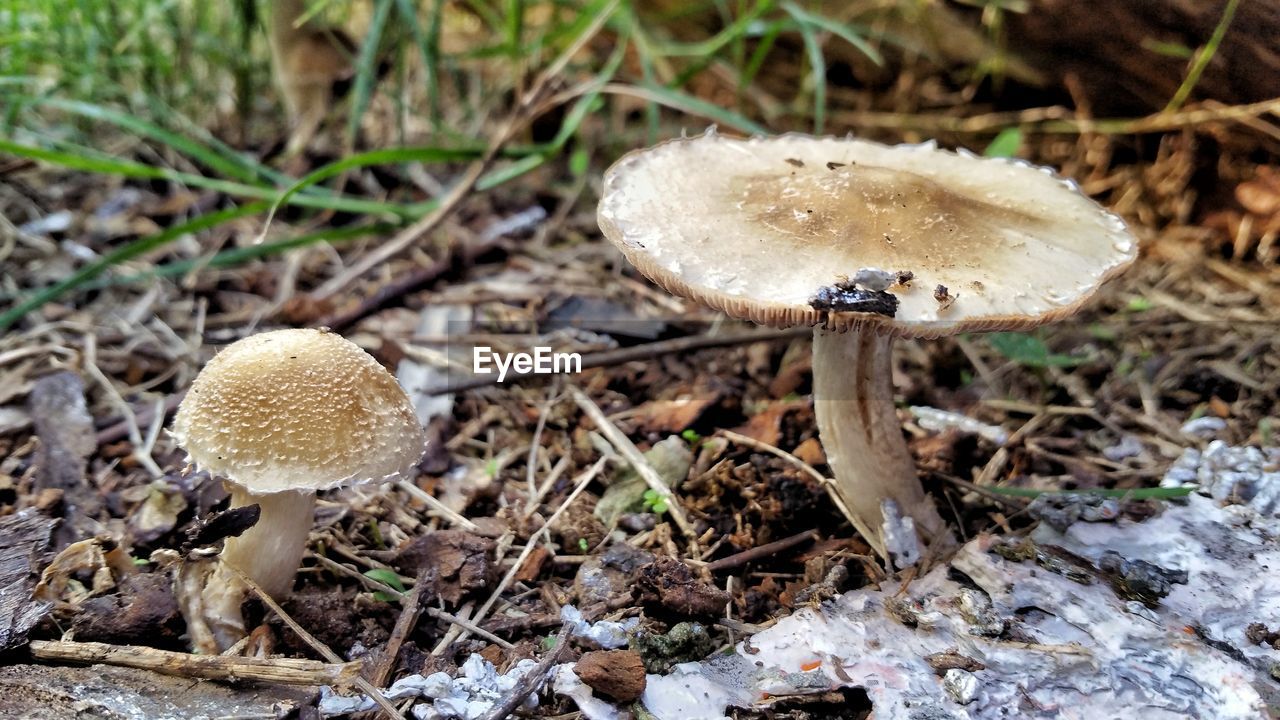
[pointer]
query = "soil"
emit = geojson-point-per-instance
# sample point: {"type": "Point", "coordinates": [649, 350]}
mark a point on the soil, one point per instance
{"type": "Point", "coordinates": [88, 384]}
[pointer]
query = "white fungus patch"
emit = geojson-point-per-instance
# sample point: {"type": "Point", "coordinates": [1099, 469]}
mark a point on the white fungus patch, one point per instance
{"type": "Point", "coordinates": [1050, 647]}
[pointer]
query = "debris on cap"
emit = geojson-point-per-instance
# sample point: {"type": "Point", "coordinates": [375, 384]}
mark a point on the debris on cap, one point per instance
{"type": "Point", "coordinates": [764, 229]}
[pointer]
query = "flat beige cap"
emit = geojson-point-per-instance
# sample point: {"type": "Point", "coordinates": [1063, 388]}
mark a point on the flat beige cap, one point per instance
{"type": "Point", "coordinates": [773, 229]}
{"type": "Point", "coordinates": [297, 410]}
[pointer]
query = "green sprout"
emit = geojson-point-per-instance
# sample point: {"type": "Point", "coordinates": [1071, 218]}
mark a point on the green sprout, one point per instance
{"type": "Point", "coordinates": [386, 577]}
{"type": "Point", "coordinates": [583, 545]}
{"type": "Point", "coordinates": [692, 437]}
{"type": "Point", "coordinates": [654, 503]}
{"type": "Point", "coordinates": [1139, 304]}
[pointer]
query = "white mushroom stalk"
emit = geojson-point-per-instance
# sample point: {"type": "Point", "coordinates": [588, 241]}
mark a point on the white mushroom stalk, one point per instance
{"type": "Point", "coordinates": [281, 415]}
{"type": "Point", "coordinates": [865, 242]}
{"type": "Point", "coordinates": [861, 435]}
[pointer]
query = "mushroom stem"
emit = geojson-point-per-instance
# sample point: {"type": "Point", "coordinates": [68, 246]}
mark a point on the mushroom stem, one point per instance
{"type": "Point", "coordinates": [269, 553]}
{"type": "Point", "coordinates": [860, 431]}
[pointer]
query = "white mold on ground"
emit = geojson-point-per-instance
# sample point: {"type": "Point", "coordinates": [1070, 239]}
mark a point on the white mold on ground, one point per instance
{"type": "Point", "coordinates": [986, 636]}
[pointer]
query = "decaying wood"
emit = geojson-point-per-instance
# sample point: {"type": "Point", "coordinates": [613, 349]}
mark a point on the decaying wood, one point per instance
{"type": "Point", "coordinates": [24, 539]}
{"type": "Point", "coordinates": [65, 427]}
{"type": "Point", "coordinates": [282, 671]}
{"type": "Point", "coordinates": [404, 625]}
{"type": "Point", "coordinates": [102, 692]}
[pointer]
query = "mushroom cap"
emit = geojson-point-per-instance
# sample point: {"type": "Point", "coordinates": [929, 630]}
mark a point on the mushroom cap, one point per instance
{"type": "Point", "coordinates": [758, 227]}
{"type": "Point", "coordinates": [298, 410]}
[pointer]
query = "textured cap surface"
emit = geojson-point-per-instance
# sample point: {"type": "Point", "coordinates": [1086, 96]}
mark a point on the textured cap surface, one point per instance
{"type": "Point", "coordinates": [297, 410]}
{"type": "Point", "coordinates": [760, 227]}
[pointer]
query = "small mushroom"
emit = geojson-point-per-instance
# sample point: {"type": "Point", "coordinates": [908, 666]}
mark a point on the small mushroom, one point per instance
{"type": "Point", "coordinates": [728, 222]}
{"type": "Point", "coordinates": [280, 415]}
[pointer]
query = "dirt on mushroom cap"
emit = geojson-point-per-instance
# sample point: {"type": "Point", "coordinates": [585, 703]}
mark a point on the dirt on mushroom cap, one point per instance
{"type": "Point", "coordinates": [297, 410]}
{"type": "Point", "coordinates": [757, 227]}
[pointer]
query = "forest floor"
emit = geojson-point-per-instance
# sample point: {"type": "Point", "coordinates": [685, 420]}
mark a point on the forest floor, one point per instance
{"type": "Point", "coordinates": [543, 510]}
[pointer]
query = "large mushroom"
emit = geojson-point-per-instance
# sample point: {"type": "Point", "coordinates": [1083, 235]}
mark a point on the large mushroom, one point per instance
{"type": "Point", "coordinates": [866, 242]}
{"type": "Point", "coordinates": [280, 415]}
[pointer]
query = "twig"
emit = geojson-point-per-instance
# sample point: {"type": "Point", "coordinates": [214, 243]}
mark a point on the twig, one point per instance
{"type": "Point", "coordinates": [761, 551]}
{"type": "Point", "coordinates": [140, 449]}
{"type": "Point", "coordinates": [431, 502]}
{"type": "Point", "coordinates": [469, 627]}
{"type": "Point", "coordinates": [872, 538]}
{"type": "Point", "coordinates": [556, 471]}
{"type": "Point", "coordinates": [647, 351]}
{"type": "Point", "coordinates": [531, 462]}
{"type": "Point", "coordinates": [433, 612]}
{"type": "Point", "coordinates": [632, 454]}
{"type": "Point", "coordinates": [284, 671]}
{"type": "Point", "coordinates": [409, 282]}
{"type": "Point", "coordinates": [582, 482]}
{"type": "Point", "coordinates": [119, 429]}
{"type": "Point", "coordinates": [531, 681]}
{"type": "Point", "coordinates": [404, 625]}
{"type": "Point", "coordinates": [1059, 120]}
{"type": "Point", "coordinates": [455, 631]}
{"type": "Point", "coordinates": [363, 685]}
{"type": "Point", "coordinates": [984, 492]}
{"type": "Point", "coordinates": [523, 113]}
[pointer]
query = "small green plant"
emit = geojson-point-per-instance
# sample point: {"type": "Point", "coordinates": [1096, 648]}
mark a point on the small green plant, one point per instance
{"type": "Point", "coordinates": [388, 578]}
{"type": "Point", "coordinates": [692, 437]}
{"type": "Point", "coordinates": [654, 503]}
{"type": "Point", "coordinates": [583, 545]}
{"type": "Point", "coordinates": [1105, 333]}
{"type": "Point", "coordinates": [1139, 304]}
{"type": "Point", "coordinates": [1030, 351]}
{"type": "Point", "coordinates": [1005, 144]}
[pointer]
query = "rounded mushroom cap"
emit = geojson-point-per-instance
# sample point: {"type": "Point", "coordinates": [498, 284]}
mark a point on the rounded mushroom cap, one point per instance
{"type": "Point", "coordinates": [765, 229]}
{"type": "Point", "coordinates": [297, 410]}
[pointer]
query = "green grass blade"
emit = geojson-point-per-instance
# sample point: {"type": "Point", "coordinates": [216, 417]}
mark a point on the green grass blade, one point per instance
{"type": "Point", "coordinates": [712, 45]}
{"type": "Point", "coordinates": [428, 46]}
{"type": "Point", "coordinates": [113, 166]}
{"type": "Point", "coordinates": [122, 254]}
{"type": "Point", "coordinates": [192, 149]}
{"type": "Point", "coordinates": [236, 256]}
{"type": "Point", "coordinates": [818, 72]}
{"type": "Point", "coordinates": [1156, 493]}
{"type": "Point", "coordinates": [840, 30]}
{"type": "Point", "coordinates": [367, 66]}
{"type": "Point", "coordinates": [374, 157]}
{"type": "Point", "coordinates": [1203, 57]}
{"type": "Point", "coordinates": [758, 56]}
{"type": "Point", "coordinates": [687, 103]}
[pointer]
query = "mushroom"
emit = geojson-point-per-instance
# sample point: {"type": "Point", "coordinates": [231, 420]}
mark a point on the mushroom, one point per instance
{"type": "Point", "coordinates": [796, 230]}
{"type": "Point", "coordinates": [281, 415]}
